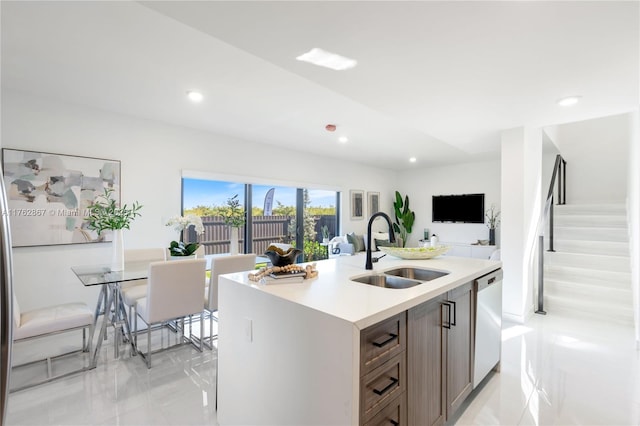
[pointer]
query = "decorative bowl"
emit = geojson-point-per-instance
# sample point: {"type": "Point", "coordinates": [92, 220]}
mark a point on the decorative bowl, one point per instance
{"type": "Point", "coordinates": [415, 252]}
{"type": "Point", "coordinates": [278, 259]}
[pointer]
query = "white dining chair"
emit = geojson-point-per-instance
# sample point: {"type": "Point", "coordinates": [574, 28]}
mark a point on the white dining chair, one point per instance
{"type": "Point", "coordinates": [174, 291]}
{"type": "Point", "coordinates": [131, 291]}
{"type": "Point", "coordinates": [221, 265]}
{"type": "Point", "coordinates": [51, 320]}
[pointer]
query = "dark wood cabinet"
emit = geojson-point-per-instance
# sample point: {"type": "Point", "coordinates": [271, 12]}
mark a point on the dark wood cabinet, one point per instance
{"type": "Point", "coordinates": [383, 373]}
{"type": "Point", "coordinates": [460, 347]}
{"type": "Point", "coordinates": [440, 356]}
{"type": "Point", "coordinates": [426, 363]}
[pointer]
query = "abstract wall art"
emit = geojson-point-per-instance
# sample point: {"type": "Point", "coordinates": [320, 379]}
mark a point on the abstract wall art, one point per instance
{"type": "Point", "coordinates": [357, 204]}
{"type": "Point", "coordinates": [48, 195]}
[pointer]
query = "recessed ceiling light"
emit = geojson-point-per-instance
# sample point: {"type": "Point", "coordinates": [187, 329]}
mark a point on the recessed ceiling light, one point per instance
{"type": "Point", "coordinates": [322, 58]}
{"type": "Point", "coordinates": [195, 96]}
{"type": "Point", "coordinates": [413, 159]}
{"type": "Point", "coordinates": [569, 100]}
{"type": "Point", "coordinates": [343, 139]}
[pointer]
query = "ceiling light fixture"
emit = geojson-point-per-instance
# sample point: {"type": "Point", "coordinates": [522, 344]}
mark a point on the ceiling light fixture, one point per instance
{"type": "Point", "coordinates": [343, 139]}
{"type": "Point", "coordinates": [413, 159]}
{"type": "Point", "coordinates": [322, 58]}
{"type": "Point", "coordinates": [569, 101]}
{"type": "Point", "coordinates": [195, 96]}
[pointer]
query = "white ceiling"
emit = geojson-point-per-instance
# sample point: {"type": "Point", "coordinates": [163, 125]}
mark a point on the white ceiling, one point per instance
{"type": "Point", "coordinates": [435, 80]}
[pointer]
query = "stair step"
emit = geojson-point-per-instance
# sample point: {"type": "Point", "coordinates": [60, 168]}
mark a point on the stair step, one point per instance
{"type": "Point", "coordinates": [587, 276]}
{"type": "Point", "coordinates": [610, 294]}
{"type": "Point", "coordinates": [590, 233]}
{"type": "Point", "coordinates": [611, 248]}
{"type": "Point", "coordinates": [612, 313]}
{"type": "Point", "coordinates": [597, 221]}
{"type": "Point", "coordinates": [591, 209]}
{"type": "Point", "coordinates": [589, 261]}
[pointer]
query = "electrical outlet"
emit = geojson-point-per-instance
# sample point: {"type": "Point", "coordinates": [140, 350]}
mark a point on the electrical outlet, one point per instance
{"type": "Point", "coordinates": [248, 330]}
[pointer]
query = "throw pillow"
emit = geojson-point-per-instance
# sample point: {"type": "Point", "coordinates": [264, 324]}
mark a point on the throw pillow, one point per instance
{"type": "Point", "coordinates": [385, 243]}
{"type": "Point", "coordinates": [357, 241]}
{"type": "Point", "coordinates": [375, 236]}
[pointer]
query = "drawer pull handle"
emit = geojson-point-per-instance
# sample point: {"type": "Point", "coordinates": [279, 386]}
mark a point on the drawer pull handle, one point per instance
{"type": "Point", "coordinates": [390, 339]}
{"type": "Point", "coordinates": [447, 324]}
{"type": "Point", "coordinates": [491, 280]}
{"type": "Point", "coordinates": [454, 313]}
{"type": "Point", "coordinates": [386, 388]}
{"type": "Point", "coordinates": [393, 422]}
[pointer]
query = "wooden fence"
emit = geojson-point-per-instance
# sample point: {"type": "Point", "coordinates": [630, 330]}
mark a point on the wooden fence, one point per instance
{"type": "Point", "coordinates": [266, 230]}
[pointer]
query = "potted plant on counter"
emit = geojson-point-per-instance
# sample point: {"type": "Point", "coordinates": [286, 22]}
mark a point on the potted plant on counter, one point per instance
{"type": "Point", "coordinates": [493, 220]}
{"type": "Point", "coordinates": [180, 224]}
{"type": "Point", "coordinates": [104, 214]}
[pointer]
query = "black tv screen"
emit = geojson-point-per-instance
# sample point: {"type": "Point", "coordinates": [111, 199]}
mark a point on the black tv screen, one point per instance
{"type": "Point", "coordinates": [466, 208]}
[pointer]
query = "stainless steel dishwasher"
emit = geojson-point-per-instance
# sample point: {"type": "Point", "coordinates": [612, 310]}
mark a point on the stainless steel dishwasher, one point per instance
{"type": "Point", "coordinates": [488, 324]}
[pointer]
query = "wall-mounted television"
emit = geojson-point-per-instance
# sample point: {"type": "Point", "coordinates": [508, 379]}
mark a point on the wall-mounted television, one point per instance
{"type": "Point", "coordinates": [465, 208]}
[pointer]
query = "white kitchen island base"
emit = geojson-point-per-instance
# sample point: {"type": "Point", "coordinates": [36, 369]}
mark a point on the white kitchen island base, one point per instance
{"type": "Point", "coordinates": [289, 354]}
{"type": "Point", "coordinates": [283, 364]}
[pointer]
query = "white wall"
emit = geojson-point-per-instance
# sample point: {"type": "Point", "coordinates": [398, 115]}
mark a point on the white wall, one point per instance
{"type": "Point", "coordinates": [521, 205]}
{"type": "Point", "coordinates": [633, 212]}
{"type": "Point", "coordinates": [471, 178]}
{"type": "Point", "coordinates": [153, 156]}
{"type": "Point", "coordinates": [596, 152]}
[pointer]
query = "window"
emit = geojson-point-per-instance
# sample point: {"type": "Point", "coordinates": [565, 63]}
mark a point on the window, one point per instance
{"type": "Point", "coordinates": [274, 215]}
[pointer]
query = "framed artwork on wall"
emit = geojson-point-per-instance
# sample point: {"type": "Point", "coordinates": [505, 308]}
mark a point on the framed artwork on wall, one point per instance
{"type": "Point", "coordinates": [357, 204]}
{"type": "Point", "coordinates": [373, 200]}
{"type": "Point", "coordinates": [48, 195]}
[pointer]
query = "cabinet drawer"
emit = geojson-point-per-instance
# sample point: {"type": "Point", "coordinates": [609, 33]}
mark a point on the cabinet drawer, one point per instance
{"type": "Point", "coordinates": [394, 414]}
{"type": "Point", "coordinates": [381, 386]}
{"type": "Point", "coordinates": [382, 341]}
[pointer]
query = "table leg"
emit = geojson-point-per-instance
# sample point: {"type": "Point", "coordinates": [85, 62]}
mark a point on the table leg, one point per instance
{"type": "Point", "coordinates": [122, 309]}
{"type": "Point", "coordinates": [108, 300]}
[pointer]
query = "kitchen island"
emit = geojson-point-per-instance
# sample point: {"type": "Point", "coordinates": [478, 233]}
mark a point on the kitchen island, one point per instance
{"type": "Point", "coordinates": [296, 353]}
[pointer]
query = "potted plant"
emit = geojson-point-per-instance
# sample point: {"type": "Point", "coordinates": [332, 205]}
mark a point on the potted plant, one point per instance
{"type": "Point", "coordinates": [325, 234]}
{"type": "Point", "coordinates": [404, 217]}
{"type": "Point", "coordinates": [233, 215]}
{"type": "Point", "coordinates": [493, 220]}
{"type": "Point", "coordinates": [104, 214]}
{"type": "Point", "coordinates": [179, 224]}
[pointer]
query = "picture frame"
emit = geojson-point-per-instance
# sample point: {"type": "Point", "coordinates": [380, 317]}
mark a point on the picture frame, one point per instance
{"type": "Point", "coordinates": [357, 204]}
{"type": "Point", "coordinates": [48, 195]}
{"type": "Point", "coordinates": [373, 202]}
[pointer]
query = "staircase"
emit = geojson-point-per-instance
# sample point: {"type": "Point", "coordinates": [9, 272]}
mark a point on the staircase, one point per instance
{"type": "Point", "coordinates": [589, 273]}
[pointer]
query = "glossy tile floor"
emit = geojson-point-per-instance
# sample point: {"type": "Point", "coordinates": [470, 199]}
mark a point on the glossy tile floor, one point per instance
{"type": "Point", "coordinates": [555, 371]}
{"type": "Point", "coordinates": [561, 371]}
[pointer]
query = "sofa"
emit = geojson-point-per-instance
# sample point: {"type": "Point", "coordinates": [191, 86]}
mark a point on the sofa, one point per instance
{"type": "Point", "coordinates": [352, 243]}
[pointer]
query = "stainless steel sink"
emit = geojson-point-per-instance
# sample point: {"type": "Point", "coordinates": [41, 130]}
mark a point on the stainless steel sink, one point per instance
{"type": "Point", "coordinates": [419, 274]}
{"type": "Point", "coordinates": [386, 281]}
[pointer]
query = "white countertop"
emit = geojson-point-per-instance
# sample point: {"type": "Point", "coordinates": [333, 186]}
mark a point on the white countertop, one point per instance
{"type": "Point", "coordinates": [333, 293]}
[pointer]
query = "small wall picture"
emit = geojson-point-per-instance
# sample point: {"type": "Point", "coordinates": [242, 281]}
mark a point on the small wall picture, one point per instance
{"type": "Point", "coordinates": [373, 199]}
{"type": "Point", "coordinates": [357, 204]}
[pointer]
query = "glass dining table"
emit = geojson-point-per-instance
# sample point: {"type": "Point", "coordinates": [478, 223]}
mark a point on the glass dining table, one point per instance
{"type": "Point", "coordinates": [109, 302]}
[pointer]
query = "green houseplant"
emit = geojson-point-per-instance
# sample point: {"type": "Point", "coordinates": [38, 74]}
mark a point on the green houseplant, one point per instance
{"type": "Point", "coordinates": [233, 215]}
{"type": "Point", "coordinates": [104, 214]}
{"type": "Point", "coordinates": [404, 217]}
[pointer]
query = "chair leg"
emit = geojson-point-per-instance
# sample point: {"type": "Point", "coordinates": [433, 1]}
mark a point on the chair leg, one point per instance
{"type": "Point", "coordinates": [201, 330]}
{"type": "Point", "coordinates": [148, 346]}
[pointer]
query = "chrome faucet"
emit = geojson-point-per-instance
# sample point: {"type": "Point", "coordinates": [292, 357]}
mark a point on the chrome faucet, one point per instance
{"type": "Point", "coordinates": [392, 237]}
